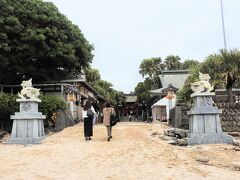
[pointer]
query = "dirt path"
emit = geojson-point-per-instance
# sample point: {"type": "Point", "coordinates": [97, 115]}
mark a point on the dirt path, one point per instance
{"type": "Point", "coordinates": [132, 154]}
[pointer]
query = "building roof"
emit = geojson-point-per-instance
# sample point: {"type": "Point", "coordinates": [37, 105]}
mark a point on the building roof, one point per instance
{"type": "Point", "coordinates": [175, 78]}
{"type": "Point", "coordinates": [164, 102]}
{"type": "Point", "coordinates": [86, 84]}
{"type": "Point", "coordinates": [66, 83]}
{"type": "Point", "coordinates": [169, 88]}
{"type": "Point", "coordinates": [156, 91]}
{"type": "Point", "coordinates": [161, 102]}
{"type": "Point", "coordinates": [131, 98]}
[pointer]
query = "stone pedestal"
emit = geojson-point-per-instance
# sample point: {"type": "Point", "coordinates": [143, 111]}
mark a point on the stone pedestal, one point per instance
{"type": "Point", "coordinates": [204, 125]}
{"type": "Point", "coordinates": [28, 127]}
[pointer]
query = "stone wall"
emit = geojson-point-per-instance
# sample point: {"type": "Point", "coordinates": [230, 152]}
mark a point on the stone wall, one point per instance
{"type": "Point", "coordinates": [230, 118]}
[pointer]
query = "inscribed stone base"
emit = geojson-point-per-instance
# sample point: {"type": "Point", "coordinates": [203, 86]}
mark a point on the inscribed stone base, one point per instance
{"type": "Point", "coordinates": [209, 138]}
{"type": "Point", "coordinates": [28, 140]}
{"type": "Point", "coordinates": [27, 131]}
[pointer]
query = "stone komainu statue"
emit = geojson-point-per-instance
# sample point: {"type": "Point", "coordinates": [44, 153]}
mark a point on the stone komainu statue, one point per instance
{"type": "Point", "coordinates": [203, 85]}
{"type": "Point", "coordinates": [28, 92]}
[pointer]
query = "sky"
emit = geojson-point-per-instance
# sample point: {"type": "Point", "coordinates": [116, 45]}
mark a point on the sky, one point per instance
{"type": "Point", "coordinates": [124, 32]}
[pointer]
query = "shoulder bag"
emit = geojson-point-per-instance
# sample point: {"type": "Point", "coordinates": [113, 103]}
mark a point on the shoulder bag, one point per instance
{"type": "Point", "coordinates": [113, 119]}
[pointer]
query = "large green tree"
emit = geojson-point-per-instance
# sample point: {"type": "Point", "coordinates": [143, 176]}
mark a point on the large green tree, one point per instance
{"type": "Point", "coordinates": [142, 90]}
{"type": "Point", "coordinates": [223, 68]}
{"type": "Point", "coordinates": [37, 41]}
{"type": "Point", "coordinates": [104, 87]}
{"type": "Point", "coordinates": [151, 68]}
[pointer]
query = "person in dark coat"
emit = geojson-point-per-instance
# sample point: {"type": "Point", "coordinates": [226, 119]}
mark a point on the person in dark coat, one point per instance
{"type": "Point", "coordinates": [88, 120]}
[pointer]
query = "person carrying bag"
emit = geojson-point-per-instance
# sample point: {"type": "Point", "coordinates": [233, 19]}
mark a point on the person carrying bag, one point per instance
{"type": "Point", "coordinates": [88, 120]}
{"type": "Point", "coordinates": [108, 114]}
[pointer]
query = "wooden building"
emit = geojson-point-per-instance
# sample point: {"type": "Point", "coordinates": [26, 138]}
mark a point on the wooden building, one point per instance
{"type": "Point", "coordinates": [75, 92]}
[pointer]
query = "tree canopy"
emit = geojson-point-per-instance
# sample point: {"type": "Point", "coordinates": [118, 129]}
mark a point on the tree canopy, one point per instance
{"type": "Point", "coordinates": [220, 64]}
{"type": "Point", "coordinates": [142, 90]}
{"type": "Point", "coordinates": [172, 62]}
{"type": "Point", "coordinates": [104, 87]}
{"type": "Point", "coordinates": [37, 41]}
{"type": "Point", "coordinates": [223, 68]}
{"type": "Point", "coordinates": [151, 68]}
{"type": "Point", "coordinates": [189, 64]}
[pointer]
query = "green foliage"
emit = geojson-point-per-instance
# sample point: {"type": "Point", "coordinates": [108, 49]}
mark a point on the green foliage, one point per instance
{"type": "Point", "coordinates": [8, 106]}
{"type": "Point", "coordinates": [120, 98]}
{"type": "Point", "coordinates": [151, 68]}
{"type": "Point", "coordinates": [106, 90]}
{"type": "Point", "coordinates": [172, 62]}
{"type": "Point", "coordinates": [189, 64]}
{"type": "Point", "coordinates": [103, 87]}
{"type": "Point", "coordinates": [51, 104]}
{"type": "Point", "coordinates": [37, 41]}
{"type": "Point", "coordinates": [92, 75]}
{"type": "Point", "coordinates": [219, 65]}
{"type": "Point", "coordinates": [142, 90]}
{"type": "Point", "coordinates": [223, 68]}
{"type": "Point", "coordinates": [183, 95]}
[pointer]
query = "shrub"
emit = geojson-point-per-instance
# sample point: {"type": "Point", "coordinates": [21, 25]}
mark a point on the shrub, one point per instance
{"type": "Point", "coordinates": [8, 106]}
{"type": "Point", "coordinates": [48, 106]}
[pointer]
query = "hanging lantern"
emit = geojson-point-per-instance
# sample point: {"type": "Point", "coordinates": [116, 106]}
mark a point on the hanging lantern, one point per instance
{"type": "Point", "coordinates": [71, 97]}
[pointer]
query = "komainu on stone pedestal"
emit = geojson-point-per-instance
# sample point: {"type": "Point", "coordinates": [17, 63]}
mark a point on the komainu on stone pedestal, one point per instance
{"type": "Point", "coordinates": [202, 85]}
{"type": "Point", "coordinates": [28, 127]}
{"type": "Point", "coordinates": [28, 92]}
{"type": "Point", "coordinates": [204, 125]}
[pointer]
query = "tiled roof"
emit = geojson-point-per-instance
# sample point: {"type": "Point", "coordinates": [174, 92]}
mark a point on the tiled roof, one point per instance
{"type": "Point", "coordinates": [176, 78]}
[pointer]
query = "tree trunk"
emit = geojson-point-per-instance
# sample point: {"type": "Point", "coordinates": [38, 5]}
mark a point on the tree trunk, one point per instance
{"type": "Point", "coordinates": [230, 79]}
{"type": "Point", "coordinates": [230, 95]}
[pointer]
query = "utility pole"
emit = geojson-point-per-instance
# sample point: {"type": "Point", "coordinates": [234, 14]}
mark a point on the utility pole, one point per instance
{"type": "Point", "coordinates": [223, 26]}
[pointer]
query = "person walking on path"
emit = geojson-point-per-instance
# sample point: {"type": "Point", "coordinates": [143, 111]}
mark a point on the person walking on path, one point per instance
{"type": "Point", "coordinates": [88, 120]}
{"type": "Point", "coordinates": [107, 112]}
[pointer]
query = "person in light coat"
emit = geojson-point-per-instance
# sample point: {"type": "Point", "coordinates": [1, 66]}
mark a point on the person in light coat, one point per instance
{"type": "Point", "coordinates": [107, 111]}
